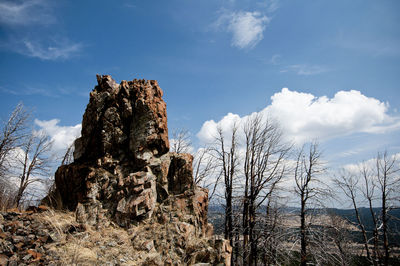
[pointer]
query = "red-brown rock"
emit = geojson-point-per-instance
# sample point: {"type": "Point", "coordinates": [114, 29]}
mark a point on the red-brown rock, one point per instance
{"type": "Point", "coordinates": [122, 169]}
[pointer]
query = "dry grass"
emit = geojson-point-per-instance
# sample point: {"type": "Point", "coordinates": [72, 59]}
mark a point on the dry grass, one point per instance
{"type": "Point", "coordinates": [106, 245]}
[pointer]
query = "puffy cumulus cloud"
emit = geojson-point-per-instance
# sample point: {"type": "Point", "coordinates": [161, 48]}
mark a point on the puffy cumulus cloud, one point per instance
{"type": "Point", "coordinates": [246, 27]}
{"type": "Point", "coordinates": [62, 136]}
{"type": "Point", "coordinates": [304, 117]}
{"type": "Point", "coordinates": [209, 130]}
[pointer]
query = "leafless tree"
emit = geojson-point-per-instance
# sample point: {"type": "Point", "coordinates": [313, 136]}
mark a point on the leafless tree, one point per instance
{"type": "Point", "coordinates": [338, 231]}
{"type": "Point", "coordinates": [226, 156]}
{"type": "Point", "coordinates": [263, 169]}
{"type": "Point", "coordinates": [368, 189]}
{"type": "Point", "coordinates": [13, 133]}
{"type": "Point", "coordinates": [348, 183]}
{"type": "Point", "coordinates": [388, 179]}
{"type": "Point", "coordinates": [379, 183]}
{"type": "Point", "coordinates": [180, 141]}
{"type": "Point", "coordinates": [204, 167]}
{"type": "Point", "coordinates": [204, 164]}
{"type": "Point", "coordinates": [35, 162]}
{"type": "Point", "coordinates": [274, 234]}
{"type": "Point", "coordinates": [69, 155]}
{"type": "Point", "coordinates": [53, 197]}
{"type": "Point", "coordinates": [308, 188]}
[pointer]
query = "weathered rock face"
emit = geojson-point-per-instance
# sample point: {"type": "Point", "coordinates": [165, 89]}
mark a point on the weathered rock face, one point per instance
{"type": "Point", "coordinates": [117, 159]}
{"type": "Point", "coordinates": [127, 122]}
{"type": "Point", "coordinates": [122, 169]}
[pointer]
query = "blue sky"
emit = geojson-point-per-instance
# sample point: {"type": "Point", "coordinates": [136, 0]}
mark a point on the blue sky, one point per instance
{"type": "Point", "coordinates": [340, 61]}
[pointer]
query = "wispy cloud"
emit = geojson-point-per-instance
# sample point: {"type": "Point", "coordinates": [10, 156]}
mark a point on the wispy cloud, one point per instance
{"type": "Point", "coordinates": [129, 5]}
{"type": "Point", "coordinates": [275, 59]}
{"type": "Point", "coordinates": [44, 48]}
{"type": "Point", "coordinates": [351, 152]}
{"type": "Point", "coordinates": [26, 12]}
{"type": "Point", "coordinates": [60, 49]}
{"type": "Point", "coordinates": [273, 5]}
{"type": "Point", "coordinates": [305, 69]}
{"type": "Point", "coordinates": [376, 47]}
{"type": "Point", "coordinates": [247, 28]}
{"type": "Point", "coordinates": [55, 91]}
{"type": "Point", "coordinates": [19, 18]}
{"type": "Point", "coordinates": [28, 91]}
{"type": "Point", "coordinates": [270, 6]}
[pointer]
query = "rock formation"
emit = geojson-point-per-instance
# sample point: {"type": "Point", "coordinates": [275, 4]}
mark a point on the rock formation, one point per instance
{"type": "Point", "coordinates": [123, 172]}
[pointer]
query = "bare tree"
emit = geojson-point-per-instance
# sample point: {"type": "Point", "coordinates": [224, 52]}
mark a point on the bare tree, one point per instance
{"type": "Point", "coordinates": [204, 167]}
{"type": "Point", "coordinates": [204, 164]}
{"type": "Point", "coordinates": [308, 187]}
{"type": "Point", "coordinates": [338, 232]}
{"type": "Point", "coordinates": [13, 133]}
{"type": "Point", "coordinates": [226, 155]}
{"type": "Point", "coordinates": [348, 183]}
{"type": "Point", "coordinates": [274, 234]}
{"type": "Point", "coordinates": [388, 179]}
{"type": "Point", "coordinates": [53, 197]}
{"type": "Point", "coordinates": [35, 162]}
{"type": "Point", "coordinates": [250, 166]}
{"type": "Point", "coordinates": [180, 141]}
{"type": "Point", "coordinates": [263, 169]}
{"type": "Point", "coordinates": [379, 186]}
{"type": "Point", "coordinates": [69, 155]}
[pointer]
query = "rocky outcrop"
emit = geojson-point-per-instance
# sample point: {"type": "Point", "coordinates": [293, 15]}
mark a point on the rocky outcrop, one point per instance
{"type": "Point", "coordinates": [117, 159]}
{"type": "Point", "coordinates": [123, 170]}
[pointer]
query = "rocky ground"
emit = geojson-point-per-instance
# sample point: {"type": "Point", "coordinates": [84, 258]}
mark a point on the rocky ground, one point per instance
{"type": "Point", "coordinates": [47, 237]}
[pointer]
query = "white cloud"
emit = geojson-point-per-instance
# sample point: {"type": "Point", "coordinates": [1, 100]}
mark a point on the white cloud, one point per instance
{"type": "Point", "coordinates": [208, 131]}
{"type": "Point", "coordinates": [62, 136]}
{"type": "Point", "coordinates": [25, 12]}
{"type": "Point", "coordinates": [304, 117]}
{"type": "Point", "coordinates": [246, 27]}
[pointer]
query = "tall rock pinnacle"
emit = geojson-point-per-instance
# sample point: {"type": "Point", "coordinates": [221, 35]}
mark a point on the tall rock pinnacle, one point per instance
{"type": "Point", "coordinates": [123, 170]}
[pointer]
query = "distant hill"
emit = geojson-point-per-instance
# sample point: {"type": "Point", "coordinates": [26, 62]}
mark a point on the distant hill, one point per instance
{"type": "Point", "coordinates": [216, 217]}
